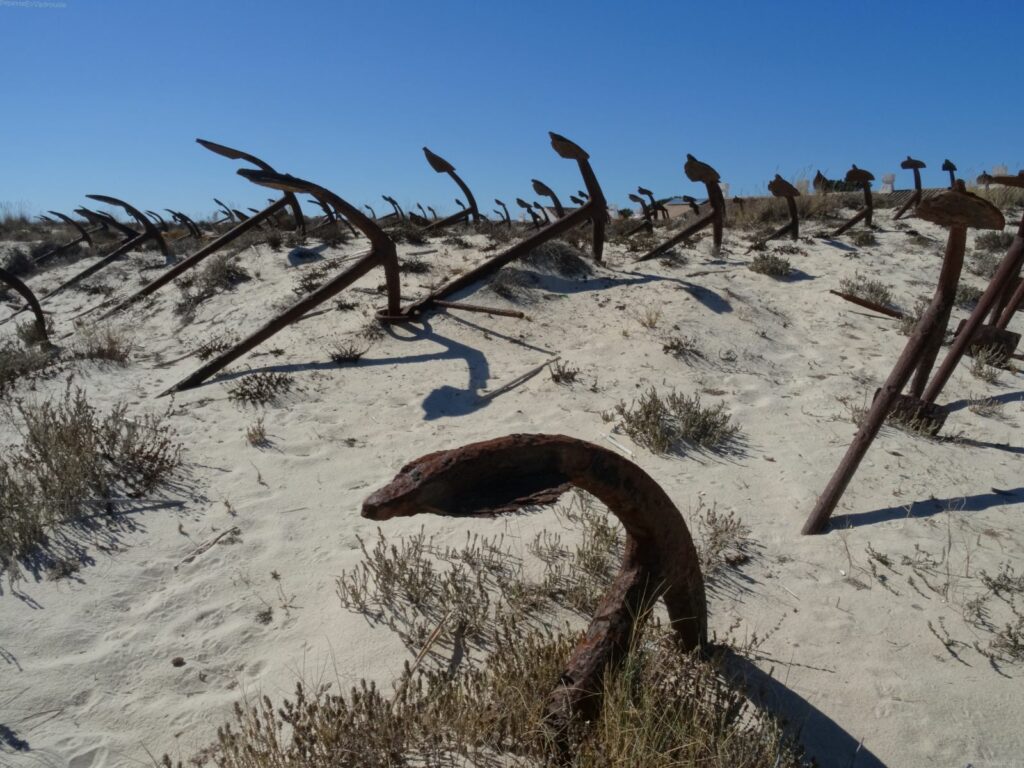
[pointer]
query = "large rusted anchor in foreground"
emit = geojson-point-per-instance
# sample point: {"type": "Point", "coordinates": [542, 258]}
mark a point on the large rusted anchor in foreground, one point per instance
{"type": "Point", "coordinates": [511, 473]}
{"type": "Point", "coordinates": [697, 171]}
{"type": "Point", "coordinates": [381, 253]}
{"type": "Point", "coordinates": [910, 164]}
{"type": "Point", "coordinates": [470, 214]}
{"type": "Point", "coordinates": [957, 210]}
{"type": "Point", "coordinates": [863, 179]}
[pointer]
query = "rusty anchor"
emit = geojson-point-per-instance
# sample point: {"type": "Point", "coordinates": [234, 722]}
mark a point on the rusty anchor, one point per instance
{"type": "Point", "coordinates": [859, 177]}
{"type": "Point", "coordinates": [577, 201]}
{"type": "Point", "coordinates": [957, 210]}
{"type": "Point", "coordinates": [544, 190]}
{"type": "Point", "coordinates": [397, 211]}
{"type": "Point", "coordinates": [951, 169]}
{"type": "Point", "coordinates": [228, 214]}
{"type": "Point", "coordinates": [423, 212]}
{"type": "Point", "coordinates": [779, 187]}
{"type": "Point", "coordinates": [698, 171]}
{"type": "Point", "coordinates": [657, 209]}
{"type": "Point", "coordinates": [912, 165]}
{"type": "Point", "coordinates": [528, 207]}
{"type": "Point", "coordinates": [646, 223]}
{"type": "Point", "coordinates": [186, 222]}
{"type": "Point", "coordinates": [45, 218]}
{"type": "Point", "coordinates": [105, 221]}
{"type": "Point", "coordinates": [237, 154]}
{"type": "Point", "coordinates": [380, 254]}
{"type": "Point", "coordinates": [503, 212]}
{"type": "Point", "coordinates": [594, 211]}
{"type": "Point", "coordinates": [83, 236]}
{"type": "Point", "coordinates": [543, 211]}
{"type": "Point", "coordinates": [471, 213]}
{"type": "Point", "coordinates": [508, 474]}
{"type": "Point", "coordinates": [31, 301]}
{"type": "Point", "coordinates": [157, 219]}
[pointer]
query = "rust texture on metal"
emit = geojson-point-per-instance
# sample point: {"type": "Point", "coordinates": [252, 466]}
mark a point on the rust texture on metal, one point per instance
{"type": "Point", "coordinates": [186, 222]}
{"type": "Point", "coordinates": [544, 190]}
{"type": "Point", "coordinates": [470, 213]}
{"type": "Point", "coordinates": [957, 210]}
{"type": "Point", "coordinates": [594, 211]}
{"type": "Point", "coordinates": [646, 223]}
{"type": "Point", "coordinates": [862, 179]}
{"type": "Point", "coordinates": [157, 219]}
{"type": "Point", "coordinates": [225, 210]}
{"type": "Point", "coordinates": [910, 164]}
{"type": "Point", "coordinates": [779, 187]}
{"type": "Point", "coordinates": [507, 474]}
{"type": "Point", "coordinates": [237, 154]}
{"type": "Point", "coordinates": [703, 173]}
{"type": "Point", "coordinates": [106, 221]}
{"type": "Point", "coordinates": [31, 301]}
{"type": "Point", "coordinates": [380, 254]}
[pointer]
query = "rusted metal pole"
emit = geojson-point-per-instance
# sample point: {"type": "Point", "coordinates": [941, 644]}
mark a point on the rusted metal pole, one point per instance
{"type": "Point", "coordinates": [915, 166]}
{"type": "Point", "coordinates": [882, 310]}
{"type": "Point", "coordinates": [479, 308]}
{"type": "Point", "coordinates": [33, 303]}
{"type": "Point", "coordinates": [381, 254]}
{"type": "Point", "coordinates": [511, 473]}
{"type": "Point", "coordinates": [957, 210]}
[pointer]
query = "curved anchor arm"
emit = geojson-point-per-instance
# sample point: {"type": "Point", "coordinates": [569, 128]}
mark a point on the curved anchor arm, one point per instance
{"type": "Point", "coordinates": [394, 204]}
{"type": "Point", "coordinates": [440, 165]}
{"type": "Point", "coordinates": [106, 221]}
{"type": "Point", "coordinates": [237, 154]}
{"type": "Point", "coordinates": [33, 302]}
{"type": "Point", "coordinates": [148, 228]}
{"type": "Point", "coordinates": [543, 189]}
{"type": "Point", "coordinates": [83, 234]}
{"type": "Point", "coordinates": [509, 473]}
{"type": "Point", "coordinates": [225, 210]}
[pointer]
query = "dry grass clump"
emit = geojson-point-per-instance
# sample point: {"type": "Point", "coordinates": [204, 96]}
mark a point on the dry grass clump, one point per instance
{"type": "Point", "coordinates": [984, 263]}
{"type": "Point", "coordinates": [563, 373]}
{"type": "Point", "coordinates": [986, 362]}
{"type": "Point", "coordinates": [992, 241]}
{"type": "Point", "coordinates": [912, 317]}
{"type": "Point", "coordinates": [104, 343]}
{"type": "Point", "coordinates": [560, 258]}
{"type": "Point", "coordinates": [683, 347]}
{"type": "Point", "coordinates": [346, 352]}
{"type": "Point", "coordinates": [675, 422]}
{"type": "Point", "coordinates": [256, 434]}
{"type": "Point", "coordinates": [771, 265]}
{"type": "Point", "coordinates": [17, 362]}
{"type": "Point", "coordinates": [863, 238]}
{"type": "Point", "coordinates": [661, 707]}
{"type": "Point", "coordinates": [18, 262]}
{"type": "Point", "coordinates": [312, 278]}
{"type": "Point", "coordinates": [221, 272]}
{"type": "Point", "coordinates": [73, 461]}
{"type": "Point", "coordinates": [865, 288]}
{"type": "Point", "coordinates": [215, 345]}
{"type": "Point", "coordinates": [513, 284]}
{"type": "Point", "coordinates": [261, 388]}
{"type": "Point", "coordinates": [456, 241]}
{"type": "Point", "coordinates": [414, 266]}
{"type": "Point", "coordinates": [404, 232]}
{"type": "Point", "coordinates": [967, 295]}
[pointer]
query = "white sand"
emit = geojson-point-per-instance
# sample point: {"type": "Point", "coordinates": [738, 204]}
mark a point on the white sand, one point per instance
{"type": "Point", "coordinates": [85, 663]}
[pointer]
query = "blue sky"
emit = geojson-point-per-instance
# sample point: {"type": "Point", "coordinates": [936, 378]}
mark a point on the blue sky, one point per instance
{"type": "Point", "coordinates": [107, 97]}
